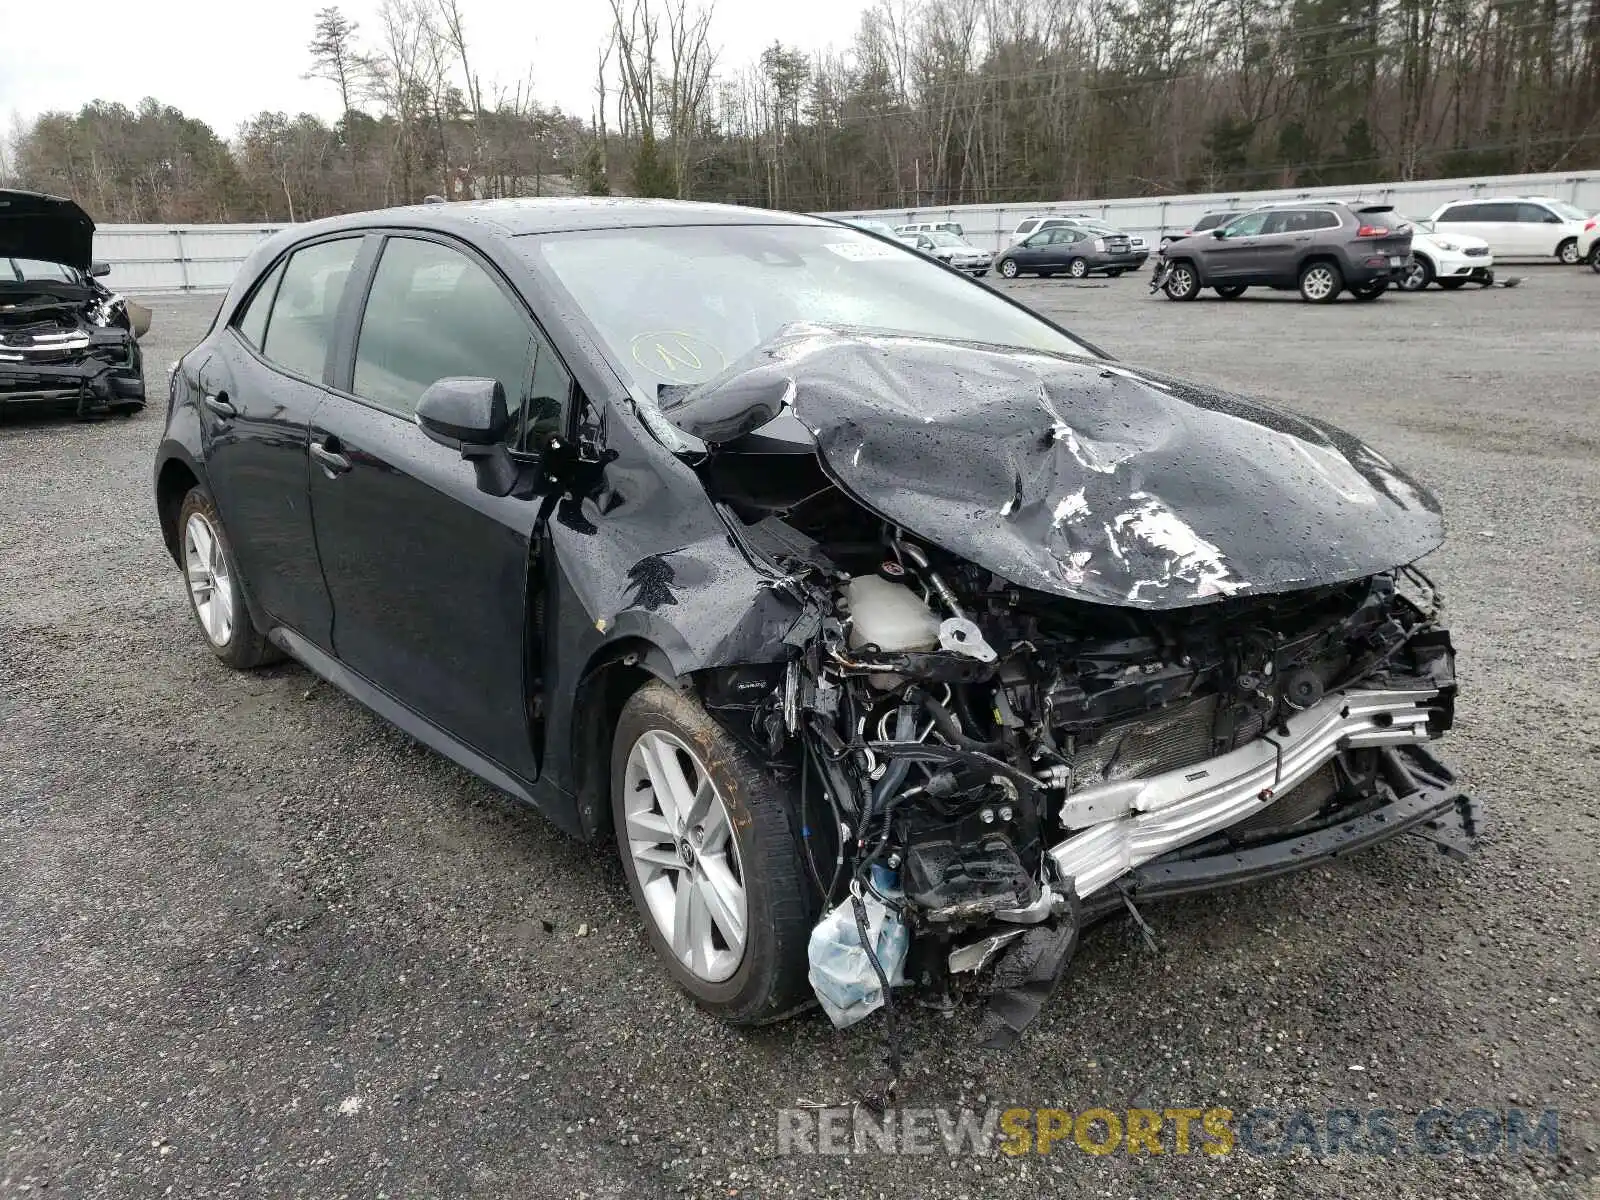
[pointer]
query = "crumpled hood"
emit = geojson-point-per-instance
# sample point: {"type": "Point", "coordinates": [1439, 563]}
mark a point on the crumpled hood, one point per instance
{"type": "Point", "coordinates": [1078, 476]}
{"type": "Point", "coordinates": [48, 228]}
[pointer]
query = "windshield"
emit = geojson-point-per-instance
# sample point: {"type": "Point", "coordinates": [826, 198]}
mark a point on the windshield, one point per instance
{"type": "Point", "coordinates": [941, 238]}
{"type": "Point", "coordinates": [1567, 210]}
{"type": "Point", "coordinates": [33, 270]}
{"type": "Point", "coordinates": [875, 227]}
{"type": "Point", "coordinates": [1098, 227]}
{"type": "Point", "coordinates": [678, 304]}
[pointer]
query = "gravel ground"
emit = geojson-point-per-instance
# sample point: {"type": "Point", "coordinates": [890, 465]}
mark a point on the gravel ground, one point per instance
{"type": "Point", "coordinates": [254, 941]}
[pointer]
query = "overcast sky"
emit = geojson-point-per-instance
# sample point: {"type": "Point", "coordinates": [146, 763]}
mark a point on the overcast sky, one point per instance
{"type": "Point", "coordinates": [225, 60]}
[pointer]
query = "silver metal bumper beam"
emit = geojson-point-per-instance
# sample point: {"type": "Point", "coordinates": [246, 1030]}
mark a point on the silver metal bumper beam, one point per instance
{"type": "Point", "coordinates": [1124, 825]}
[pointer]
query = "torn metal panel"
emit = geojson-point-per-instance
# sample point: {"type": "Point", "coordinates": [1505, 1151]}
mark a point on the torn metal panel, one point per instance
{"type": "Point", "coordinates": [1075, 476]}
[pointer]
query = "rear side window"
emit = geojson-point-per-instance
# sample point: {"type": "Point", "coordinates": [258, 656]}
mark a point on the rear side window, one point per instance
{"type": "Point", "coordinates": [252, 323]}
{"type": "Point", "coordinates": [1463, 212]}
{"type": "Point", "coordinates": [1497, 212]}
{"type": "Point", "coordinates": [300, 329]}
{"type": "Point", "coordinates": [433, 313]}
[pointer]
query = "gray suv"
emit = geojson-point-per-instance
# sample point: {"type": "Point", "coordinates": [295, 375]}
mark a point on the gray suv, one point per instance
{"type": "Point", "coordinates": [1320, 247]}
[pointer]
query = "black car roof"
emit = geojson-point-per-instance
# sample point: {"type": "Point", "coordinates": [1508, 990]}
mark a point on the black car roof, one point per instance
{"type": "Point", "coordinates": [528, 215]}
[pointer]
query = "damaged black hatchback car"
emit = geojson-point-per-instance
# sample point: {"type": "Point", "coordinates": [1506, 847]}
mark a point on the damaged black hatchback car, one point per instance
{"type": "Point", "coordinates": [890, 631]}
{"type": "Point", "coordinates": [65, 339]}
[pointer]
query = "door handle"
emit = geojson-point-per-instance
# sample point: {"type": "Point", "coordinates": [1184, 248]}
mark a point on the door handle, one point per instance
{"type": "Point", "coordinates": [332, 461]}
{"type": "Point", "coordinates": [219, 404]}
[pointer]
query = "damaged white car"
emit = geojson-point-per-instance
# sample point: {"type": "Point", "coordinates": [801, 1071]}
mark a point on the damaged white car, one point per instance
{"type": "Point", "coordinates": [892, 632]}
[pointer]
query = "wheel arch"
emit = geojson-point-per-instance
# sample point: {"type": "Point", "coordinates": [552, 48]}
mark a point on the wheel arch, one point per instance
{"type": "Point", "coordinates": [175, 477]}
{"type": "Point", "coordinates": [612, 675]}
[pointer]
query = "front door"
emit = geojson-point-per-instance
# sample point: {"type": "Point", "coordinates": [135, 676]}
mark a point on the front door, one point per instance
{"type": "Point", "coordinates": [259, 390]}
{"type": "Point", "coordinates": [427, 572]}
{"type": "Point", "coordinates": [1229, 254]}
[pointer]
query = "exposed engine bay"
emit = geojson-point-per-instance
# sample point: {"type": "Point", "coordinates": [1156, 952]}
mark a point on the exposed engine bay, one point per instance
{"type": "Point", "coordinates": [980, 766]}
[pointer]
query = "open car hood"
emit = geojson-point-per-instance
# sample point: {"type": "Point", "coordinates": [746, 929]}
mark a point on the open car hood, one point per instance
{"type": "Point", "coordinates": [49, 228]}
{"type": "Point", "coordinates": [1077, 476]}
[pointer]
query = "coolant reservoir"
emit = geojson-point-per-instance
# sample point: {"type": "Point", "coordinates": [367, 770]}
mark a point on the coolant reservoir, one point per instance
{"type": "Point", "coordinates": [890, 616]}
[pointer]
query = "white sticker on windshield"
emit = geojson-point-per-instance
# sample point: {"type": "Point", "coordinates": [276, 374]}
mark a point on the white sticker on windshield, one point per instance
{"type": "Point", "coordinates": [862, 251]}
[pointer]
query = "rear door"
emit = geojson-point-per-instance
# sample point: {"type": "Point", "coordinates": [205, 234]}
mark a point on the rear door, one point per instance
{"type": "Point", "coordinates": [428, 573]}
{"type": "Point", "coordinates": [260, 387]}
{"type": "Point", "coordinates": [1275, 255]}
{"type": "Point", "coordinates": [1471, 219]}
{"type": "Point", "coordinates": [1539, 230]}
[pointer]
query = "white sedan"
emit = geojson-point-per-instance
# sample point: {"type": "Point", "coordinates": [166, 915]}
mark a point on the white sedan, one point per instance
{"type": "Point", "coordinates": [1447, 258]}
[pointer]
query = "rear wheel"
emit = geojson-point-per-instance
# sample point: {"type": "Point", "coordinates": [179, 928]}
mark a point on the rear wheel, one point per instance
{"type": "Point", "coordinates": [1320, 283]}
{"type": "Point", "coordinates": [709, 848]}
{"type": "Point", "coordinates": [1183, 283]}
{"type": "Point", "coordinates": [1417, 275]}
{"type": "Point", "coordinates": [1594, 256]}
{"type": "Point", "coordinates": [1567, 252]}
{"type": "Point", "coordinates": [215, 598]}
{"type": "Point", "coordinates": [1077, 268]}
{"type": "Point", "coordinates": [1114, 272]}
{"type": "Point", "coordinates": [1451, 285]}
{"type": "Point", "coordinates": [1232, 291]}
{"type": "Point", "coordinates": [1370, 291]}
{"type": "Point", "coordinates": [1008, 267]}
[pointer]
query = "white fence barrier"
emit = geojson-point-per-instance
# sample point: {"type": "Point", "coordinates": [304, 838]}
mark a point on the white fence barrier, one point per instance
{"type": "Point", "coordinates": [175, 258]}
{"type": "Point", "coordinates": [203, 258]}
{"type": "Point", "coordinates": [991, 225]}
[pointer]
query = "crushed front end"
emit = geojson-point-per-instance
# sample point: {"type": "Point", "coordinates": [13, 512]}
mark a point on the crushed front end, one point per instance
{"type": "Point", "coordinates": [68, 344]}
{"type": "Point", "coordinates": [1072, 634]}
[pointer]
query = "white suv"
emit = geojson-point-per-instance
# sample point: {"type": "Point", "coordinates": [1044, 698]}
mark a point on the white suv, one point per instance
{"type": "Point", "coordinates": [1518, 227]}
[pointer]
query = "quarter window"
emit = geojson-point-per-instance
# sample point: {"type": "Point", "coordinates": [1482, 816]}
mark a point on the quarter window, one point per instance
{"type": "Point", "coordinates": [433, 313]}
{"type": "Point", "coordinates": [252, 323]}
{"type": "Point", "coordinates": [1462, 212]}
{"type": "Point", "coordinates": [306, 306]}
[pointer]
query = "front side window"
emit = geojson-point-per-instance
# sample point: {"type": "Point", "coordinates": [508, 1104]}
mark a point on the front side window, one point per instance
{"type": "Point", "coordinates": [1534, 214]}
{"type": "Point", "coordinates": [1065, 236]}
{"type": "Point", "coordinates": [1497, 212]}
{"type": "Point", "coordinates": [1248, 225]}
{"type": "Point", "coordinates": [306, 307]}
{"type": "Point", "coordinates": [700, 297]}
{"type": "Point", "coordinates": [434, 313]}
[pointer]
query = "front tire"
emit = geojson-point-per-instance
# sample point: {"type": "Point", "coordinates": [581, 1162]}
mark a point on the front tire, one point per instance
{"type": "Point", "coordinates": [1320, 283]}
{"type": "Point", "coordinates": [1183, 283]}
{"type": "Point", "coordinates": [1369, 291]}
{"type": "Point", "coordinates": [1008, 268]}
{"type": "Point", "coordinates": [1567, 252]}
{"type": "Point", "coordinates": [216, 598]}
{"type": "Point", "coordinates": [708, 844]}
{"type": "Point", "coordinates": [1417, 275]}
{"type": "Point", "coordinates": [1451, 285]}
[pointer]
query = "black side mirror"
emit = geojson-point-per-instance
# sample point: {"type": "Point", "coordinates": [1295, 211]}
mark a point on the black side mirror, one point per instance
{"type": "Point", "coordinates": [464, 413]}
{"type": "Point", "coordinates": [99, 269]}
{"type": "Point", "coordinates": [468, 414]}
{"type": "Point", "coordinates": [1219, 232]}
